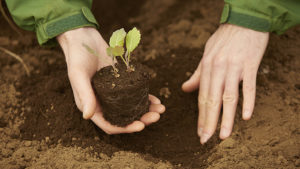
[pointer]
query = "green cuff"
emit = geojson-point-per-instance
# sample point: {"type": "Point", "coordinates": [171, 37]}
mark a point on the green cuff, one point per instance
{"type": "Point", "coordinates": [245, 18]}
{"type": "Point", "coordinates": [46, 32]}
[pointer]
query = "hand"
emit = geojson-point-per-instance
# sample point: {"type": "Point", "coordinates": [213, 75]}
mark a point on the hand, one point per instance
{"type": "Point", "coordinates": [232, 54]}
{"type": "Point", "coordinates": [82, 65]}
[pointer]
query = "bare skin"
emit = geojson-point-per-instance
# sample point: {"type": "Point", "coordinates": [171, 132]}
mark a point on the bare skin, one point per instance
{"type": "Point", "coordinates": [82, 66]}
{"type": "Point", "coordinates": [232, 54]}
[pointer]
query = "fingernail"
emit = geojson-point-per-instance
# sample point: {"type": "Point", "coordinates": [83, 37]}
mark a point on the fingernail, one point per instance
{"type": "Point", "coordinates": [200, 131]}
{"type": "Point", "coordinates": [162, 109]}
{"type": "Point", "coordinates": [224, 133]}
{"type": "Point", "coordinates": [246, 115]}
{"type": "Point", "coordinates": [204, 138]}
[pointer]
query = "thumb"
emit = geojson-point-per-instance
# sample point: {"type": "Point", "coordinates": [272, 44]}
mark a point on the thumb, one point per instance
{"type": "Point", "coordinates": [193, 83]}
{"type": "Point", "coordinates": [81, 84]}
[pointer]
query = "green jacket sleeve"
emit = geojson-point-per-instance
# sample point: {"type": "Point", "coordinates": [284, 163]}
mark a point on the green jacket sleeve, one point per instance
{"type": "Point", "coordinates": [262, 15]}
{"type": "Point", "coordinates": [49, 18]}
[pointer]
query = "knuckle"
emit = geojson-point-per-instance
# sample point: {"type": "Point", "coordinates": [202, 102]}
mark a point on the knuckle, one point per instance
{"type": "Point", "coordinates": [252, 66]}
{"type": "Point", "coordinates": [233, 62]}
{"type": "Point", "coordinates": [218, 62]}
{"type": "Point", "coordinates": [229, 98]}
{"type": "Point", "coordinates": [201, 100]}
{"type": "Point", "coordinates": [200, 125]}
{"type": "Point", "coordinates": [226, 126]}
{"type": "Point", "coordinates": [206, 61]}
{"type": "Point", "coordinates": [211, 103]}
{"type": "Point", "coordinates": [208, 131]}
{"type": "Point", "coordinates": [249, 88]}
{"type": "Point", "coordinates": [234, 65]}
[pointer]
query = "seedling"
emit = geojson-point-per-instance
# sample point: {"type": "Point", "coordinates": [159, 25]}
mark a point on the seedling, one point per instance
{"type": "Point", "coordinates": [124, 99]}
{"type": "Point", "coordinates": [116, 45]}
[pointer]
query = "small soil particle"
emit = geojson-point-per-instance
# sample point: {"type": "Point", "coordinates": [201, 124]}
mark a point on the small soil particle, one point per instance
{"type": "Point", "coordinates": [227, 143]}
{"type": "Point", "coordinates": [165, 91]}
{"type": "Point", "coordinates": [27, 143]}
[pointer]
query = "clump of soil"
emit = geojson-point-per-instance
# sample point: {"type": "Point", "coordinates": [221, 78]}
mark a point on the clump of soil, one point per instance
{"type": "Point", "coordinates": [123, 98]}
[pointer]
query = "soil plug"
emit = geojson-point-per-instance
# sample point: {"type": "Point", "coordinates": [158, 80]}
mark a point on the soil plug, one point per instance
{"type": "Point", "coordinates": [123, 94]}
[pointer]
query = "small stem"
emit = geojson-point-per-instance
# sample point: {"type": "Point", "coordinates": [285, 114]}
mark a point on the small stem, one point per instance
{"type": "Point", "coordinates": [124, 61]}
{"type": "Point", "coordinates": [18, 58]}
{"type": "Point", "coordinates": [114, 60]}
{"type": "Point", "coordinates": [113, 64]}
{"type": "Point", "coordinates": [128, 58]}
{"type": "Point", "coordinates": [126, 55]}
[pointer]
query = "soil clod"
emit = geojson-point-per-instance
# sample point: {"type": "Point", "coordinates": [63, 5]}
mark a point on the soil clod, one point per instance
{"type": "Point", "coordinates": [123, 99]}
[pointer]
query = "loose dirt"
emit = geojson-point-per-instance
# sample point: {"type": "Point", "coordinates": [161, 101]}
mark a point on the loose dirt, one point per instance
{"type": "Point", "coordinates": [41, 127]}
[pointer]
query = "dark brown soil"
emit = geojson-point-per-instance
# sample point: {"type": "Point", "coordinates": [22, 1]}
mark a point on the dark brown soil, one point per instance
{"type": "Point", "coordinates": [41, 126]}
{"type": "Point", "coordinates": [123, 99]}
{"type": "Point", "coordinates": [174, 138]}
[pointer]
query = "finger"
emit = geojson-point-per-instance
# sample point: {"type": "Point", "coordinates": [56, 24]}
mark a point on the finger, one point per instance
{"type": "Point", "coordinates": [76, 98]}
{"type": "Point", "coordinates": [230, 100]}
{"type": "Point", "coordinates": [98, 119]}
{"type": "Point", "coordinates": [213, 104]}
{"type": "Point", "coordinates": [193, 83]}
{"type": "Point", "coordinates": [153, 99]}
{"type": "Point", "coordinates": [82, 86]}
{"type": "Point", "coordinates": [203, 93]}
{"type": "Point", "coordinates": [249, 92]}
{"type": "Point", "coordinates": [150, 117]}
{"type": "Point", "coordinates": [159, 108]}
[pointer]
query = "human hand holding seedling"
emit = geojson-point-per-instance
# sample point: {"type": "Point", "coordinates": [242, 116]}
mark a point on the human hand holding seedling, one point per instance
{"type": "Point", "coordinates": [82, 65]}
{"type": "Point", "coordinates": [232, 54]}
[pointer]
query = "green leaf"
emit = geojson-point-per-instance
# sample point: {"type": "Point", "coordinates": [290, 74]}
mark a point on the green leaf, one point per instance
{"type": "Point", "coordinates": [115, 51]}
{"type": "Point", "coordinates": [92, 51]}
{"type": "Point", "coordinates": [109, 51]}
{"type": "Point", "coordinates": [117, 38]}
{"type": "Point", "coordinates": [118, 51]}
{"type": "Point", "coordinates": [132, 39]}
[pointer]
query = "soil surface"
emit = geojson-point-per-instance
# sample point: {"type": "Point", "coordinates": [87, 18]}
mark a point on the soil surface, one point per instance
{"type": "Point", "coordinates": [124, 94]}
{"type": "Point", "coordinates": [41, 127]}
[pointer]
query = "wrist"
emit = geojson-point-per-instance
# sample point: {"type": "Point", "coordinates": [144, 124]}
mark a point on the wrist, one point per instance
{"type": "Point", "coordinates": [73, 40]}
{"type": "Point", "coordinates": [243, 29]}
{"type": "Point", "coordinates": [73, 35]}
